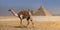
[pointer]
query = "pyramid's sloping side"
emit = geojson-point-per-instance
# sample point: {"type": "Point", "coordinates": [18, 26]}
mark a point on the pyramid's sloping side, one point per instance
{"type": "Point", "coordinates": [44, 12]}
{"type": "Point", "coordinates": [47, 13]}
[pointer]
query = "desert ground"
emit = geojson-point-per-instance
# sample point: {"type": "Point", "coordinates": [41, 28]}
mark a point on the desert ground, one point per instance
{"type": "Point", "coordinates": [38, 25]}
{"type": "Point", "coordinates": [15, 25]}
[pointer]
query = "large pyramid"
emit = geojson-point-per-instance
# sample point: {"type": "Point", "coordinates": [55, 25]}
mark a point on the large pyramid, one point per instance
{"type": "Point", "coordinates": [42, 12]}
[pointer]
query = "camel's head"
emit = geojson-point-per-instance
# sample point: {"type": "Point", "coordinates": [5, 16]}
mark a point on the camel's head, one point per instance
{"type": "Point", "coordinates": [10, 9]}
{"type": "Point", "coordinates": [13, 12]}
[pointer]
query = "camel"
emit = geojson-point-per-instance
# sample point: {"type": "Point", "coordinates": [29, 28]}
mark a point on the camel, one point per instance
{"type": "Point", "coordinates": [23, 14]}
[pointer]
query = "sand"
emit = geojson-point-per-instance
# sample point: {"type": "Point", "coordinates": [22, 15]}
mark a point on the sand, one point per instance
{"type": "Point", "coordinates": [42, 25]}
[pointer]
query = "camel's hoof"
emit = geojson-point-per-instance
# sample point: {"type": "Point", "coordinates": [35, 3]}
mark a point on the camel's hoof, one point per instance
{"type": "Point", "coordinates": [23, 26]}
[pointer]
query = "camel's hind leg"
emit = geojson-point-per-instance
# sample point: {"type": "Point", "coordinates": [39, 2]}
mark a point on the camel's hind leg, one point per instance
{"type": "Point", "coordinates": [30, 20]}
{"type": "Point", "coordinates": [32, 23]}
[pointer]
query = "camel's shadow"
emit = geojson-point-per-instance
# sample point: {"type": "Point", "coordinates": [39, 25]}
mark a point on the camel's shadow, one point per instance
{"type": "Point", "coordinates": [20, 26]}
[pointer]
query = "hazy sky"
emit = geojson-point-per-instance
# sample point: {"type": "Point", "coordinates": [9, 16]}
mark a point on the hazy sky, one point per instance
{"type": "Point", "coordinates": [53, 6]}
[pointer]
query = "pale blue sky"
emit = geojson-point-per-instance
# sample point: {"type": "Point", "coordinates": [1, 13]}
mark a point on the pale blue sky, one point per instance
{"type": "Point", "coordinates": [53, 6]}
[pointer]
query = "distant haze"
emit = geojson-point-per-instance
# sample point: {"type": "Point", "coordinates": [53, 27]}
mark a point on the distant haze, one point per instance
{"type": "Point", "coordinates": [53, 6]}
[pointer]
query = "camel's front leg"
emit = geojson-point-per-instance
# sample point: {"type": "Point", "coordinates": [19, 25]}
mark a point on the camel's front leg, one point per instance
{"type": "Point", "coordinates": [21, 17]}
{"type": "Point", "coordinates": [28, 21]}
{"type": "Point", "coordinates": [21, 22]}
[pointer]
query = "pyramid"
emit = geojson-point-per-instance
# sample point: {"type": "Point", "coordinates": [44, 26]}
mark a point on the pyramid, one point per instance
{"type": "Point", "coordinates": [42, 12]}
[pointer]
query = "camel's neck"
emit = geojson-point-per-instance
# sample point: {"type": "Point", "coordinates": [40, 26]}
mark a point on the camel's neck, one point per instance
{"type": "Point", "coordinates": [30, 13]}
{"type": "Point", "coordinates": [14, 13]}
